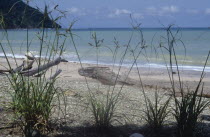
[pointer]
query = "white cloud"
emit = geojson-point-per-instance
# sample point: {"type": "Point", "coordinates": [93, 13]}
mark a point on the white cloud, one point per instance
{"type": "Point", "coordinates": [192, 11]}
{"type": "Point", "coordinates": [73, 10]}
{"type": "Point", "coordinates": [123, 11]}
{"type": "Point", "coordinates": [119, 12]}
{"type": "Point", "coordinates": [161, 11]}
{"type": "Point", "coordinates": [171, 9]}
{"type": "Point", "coordinates": [207, 11]}
{"type": "Point", "coordinates": [77, 11]}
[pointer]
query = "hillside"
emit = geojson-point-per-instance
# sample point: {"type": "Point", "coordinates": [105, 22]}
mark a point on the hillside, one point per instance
{"type": "Point", "coordinates": [17, 14]}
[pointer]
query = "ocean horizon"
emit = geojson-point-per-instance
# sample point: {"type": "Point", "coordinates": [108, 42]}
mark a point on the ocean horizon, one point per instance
{"type": "Point", "coordinates": [191, 49]}
{"type": "Point", "coordinates": [116, 28]}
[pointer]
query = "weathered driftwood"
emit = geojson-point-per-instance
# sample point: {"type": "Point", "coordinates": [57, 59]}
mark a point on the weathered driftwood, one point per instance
{"type": "Point", "coordinates": [43, 67]}
{"type": "Point", "coordinates": [27, 64]}
{"type": "Point", "coordinates": [39, 74]}
{"type": "Point", "coordinates": [26, 67]}
{"type": "Point", "coordinates": [4, 71]}
{"type": "Point", "coordinates": [18, 69]}
{"type": "Point", "coordinates": [105, 76]}
{"type": "Point", "coordinates": [108, 77]}
{"type": "Point", "coordinates": [30, 57]}
{"type": "Point", "coordinates": [56, 74]}
{"type": "Point", "coordinates": [199, 95]}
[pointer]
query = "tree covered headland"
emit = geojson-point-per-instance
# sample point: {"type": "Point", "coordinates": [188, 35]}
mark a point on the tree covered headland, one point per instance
{"type": "Point", "coordinates": [17, 14]}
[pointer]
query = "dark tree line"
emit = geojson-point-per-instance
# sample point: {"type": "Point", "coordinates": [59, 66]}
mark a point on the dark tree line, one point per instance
{"type": "Point", "coordinates": [17, 14]}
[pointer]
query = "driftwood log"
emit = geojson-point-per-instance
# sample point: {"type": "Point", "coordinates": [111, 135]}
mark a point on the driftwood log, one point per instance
{"type": "Point", "coordinates": [26, 68]}
{"type": "Point", "coordinates": [55, 75]}
{"type": "Point", "coordinates": [108, 77]}
{"type": "Point", "coordinates": [43, 67]}
{"type": "Point", "coordinates": [105, 76]}
{"type": "Point", "coordinates": [4, 71]}
{"type": "Point", "coordinates": [28, 64]}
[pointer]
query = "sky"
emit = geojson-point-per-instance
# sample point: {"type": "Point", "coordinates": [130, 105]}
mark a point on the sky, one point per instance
{"type": "Point", "coordinates": [118, 13]}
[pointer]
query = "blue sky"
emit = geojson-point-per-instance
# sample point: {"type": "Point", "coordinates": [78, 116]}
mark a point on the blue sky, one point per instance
{"type": "Point", "coordinates": [116, 13]}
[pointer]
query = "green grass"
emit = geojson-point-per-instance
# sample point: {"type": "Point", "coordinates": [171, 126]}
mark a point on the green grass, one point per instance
{"type": "Point", "coordinates": [187, 112]}
{"type": "Point", "coordinates": [156, 112]}
{"type": "Point", "coordinates": [34, 98]}
{"type": "Point", "coordinates": [103, 111]}
{"type": "Point", "coordinates": [191, 104]}
{"type": "Point", "coordinates": [32, 103]}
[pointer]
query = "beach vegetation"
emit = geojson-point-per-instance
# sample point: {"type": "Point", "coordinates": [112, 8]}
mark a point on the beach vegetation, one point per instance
{"type": "Point", "coordinates": [33, 92]}
{"type": "Point", "coordinates": [156, 112]}
{"type": "Point", "coordinates": [189, 103]}
{"type": "Point", "coordinates": [102, 109]}
{"type": "Point", "coordinates": [157, 109]}
{"type": "Point", "coordinates": [32, 102]}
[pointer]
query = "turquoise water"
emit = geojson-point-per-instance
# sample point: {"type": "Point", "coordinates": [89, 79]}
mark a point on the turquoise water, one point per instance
{"type": "Point", "coordinates": [196, 43]}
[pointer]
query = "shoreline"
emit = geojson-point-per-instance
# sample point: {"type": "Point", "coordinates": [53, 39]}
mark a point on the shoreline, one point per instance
{"type": "Point", "coordinates": [197, 68]}
{"type": "Point", "coordinates": [151, 77]}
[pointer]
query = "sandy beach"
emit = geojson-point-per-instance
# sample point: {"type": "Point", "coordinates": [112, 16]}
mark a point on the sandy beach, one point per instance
{"type": "Point", "coordinates": [131, 101]}
{"type": "Point", "coordinates": [151, 77]}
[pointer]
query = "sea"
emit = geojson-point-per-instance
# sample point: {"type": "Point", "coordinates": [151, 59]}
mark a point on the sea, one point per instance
{"type": "Point", "coordinates": [146, 47]}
